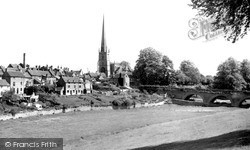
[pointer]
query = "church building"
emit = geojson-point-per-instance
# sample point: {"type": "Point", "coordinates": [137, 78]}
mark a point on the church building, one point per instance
{"type": "Point", "coordinates": [103, 60]}
{"type": "Point", "coordinates": [114, 71]}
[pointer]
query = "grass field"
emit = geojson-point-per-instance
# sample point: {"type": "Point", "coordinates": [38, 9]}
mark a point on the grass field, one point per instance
{"type": "Point", "coordinates": [135, 128]}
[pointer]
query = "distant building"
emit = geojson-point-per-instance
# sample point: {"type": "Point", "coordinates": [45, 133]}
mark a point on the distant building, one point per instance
{"type": "Point", "coordinates": [122, 79]}
{"type": "Point", "coordinates": [16, 79]}
{"type": "Point", "coordinates": [42, 77]}
{"type": "Point", "coordinates": [4, 86]}
{"type": "Point", "coordinates": [88, 87]}
{"type": "Point", "coordinates": [70, 86]}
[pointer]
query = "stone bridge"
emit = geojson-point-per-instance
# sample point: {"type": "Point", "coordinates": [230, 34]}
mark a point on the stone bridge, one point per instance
{"type": "Point", "coordinates": [208, 96]}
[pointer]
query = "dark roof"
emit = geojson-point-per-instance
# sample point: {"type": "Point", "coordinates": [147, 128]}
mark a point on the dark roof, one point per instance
{"type": "Point", "coordinates": [14, 65]}
{"type": "Point", "coordinates": [3, 82]}
{"type": "Point", "coordinates": [72, 79]}
{"type": "Point", "coordinates": [57, 73]}
{"type": "Point", "coordinates": [39, 73]}
{"type": "Point", "coordinates": [14, 74]}
{"type": "Point", "coordinates": [69, 74]}
{"type": "Point", "coordinates": [93, 74]}
{"type": "Point", "coordinates": [123, 69]}
{"type": "Point", "coordinates": [11, 69]}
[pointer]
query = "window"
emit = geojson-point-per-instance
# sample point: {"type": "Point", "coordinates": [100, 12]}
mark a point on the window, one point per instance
{"type": "Point", "coordinates": [14, 84]}
{"type": "Point", "coordinates": [67, 91]}
{"type": "Point", "coordinates": [73, 91]}
{"type": "Point", "coordinates": [21, 89]}
{"type": "Point", "coordinates": [80, 86]}
{"type": "Point", "coordinates": [74, 86]}
{"type": "Point", "coordinates": [68, 86]}
{"type": "Point", "coordinates": [21, 83]}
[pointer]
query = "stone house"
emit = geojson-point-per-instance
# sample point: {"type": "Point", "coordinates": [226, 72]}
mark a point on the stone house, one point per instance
{"type": "Point", "coordinates": [88, 87]}
{"type": "Point", "coordinates": [4, 86]}
{"type": "Point", "coordinates": [70, 86]}
{"type": "Point", "coordinates": [16, 79]}
{"type": "Point", "coordinates": [122, 79]}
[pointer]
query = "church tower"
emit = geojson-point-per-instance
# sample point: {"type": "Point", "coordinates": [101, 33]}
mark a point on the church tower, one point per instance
{"type": "Point", "coordinates": [103, 60]}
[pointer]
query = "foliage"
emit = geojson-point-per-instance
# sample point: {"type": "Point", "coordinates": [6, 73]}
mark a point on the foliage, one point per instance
{"type": "Point", "coordinates": [245, 72]}
{"type": "Point", "coordinates": [232, 16]}
{"type": "Point", "coordinates": [191, 73]}
{"type": "Point", "coordinates": [207, 80]}
{"type": "Point", "coordinates": [40, 89]}
{"type": "Point", "coordinates": [229, 76]}
{"type": "Point", "coordinates": [123, 102]}
{"type": "Point", "coordinates": [153, 68]}
{"type": "Point", "coordinates": [10, 97]}
{"type": "Point", "coordinates": [48, 99]}
{"type": "Point", "coordinates": [105, 87]}
{"type": "Point", "coordinates": [31, 89]}
{"type": "Point", "coordinates": [181, 78]}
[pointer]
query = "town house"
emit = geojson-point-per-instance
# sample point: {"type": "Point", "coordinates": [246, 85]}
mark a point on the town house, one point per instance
{"type": "Point", "coordinates": [70, 85]}
{"type": "Point", "coordinates": [16, 79]}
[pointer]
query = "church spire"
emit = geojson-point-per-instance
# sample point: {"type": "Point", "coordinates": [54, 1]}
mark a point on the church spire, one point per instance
{"type": "Point", "coordinates": [103, 44]}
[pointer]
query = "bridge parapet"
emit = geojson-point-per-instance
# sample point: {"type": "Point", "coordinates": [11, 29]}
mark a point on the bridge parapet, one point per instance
{"type": "Point", "coordinates": [208, 95]}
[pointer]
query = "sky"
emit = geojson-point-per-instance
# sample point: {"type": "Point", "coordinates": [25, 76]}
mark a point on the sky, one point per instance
{"type": "Point", "coordinates": [67, 33]}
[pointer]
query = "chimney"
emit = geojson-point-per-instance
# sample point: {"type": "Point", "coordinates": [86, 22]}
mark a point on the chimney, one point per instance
{"type": "Point", "coordinates": [24, 65]}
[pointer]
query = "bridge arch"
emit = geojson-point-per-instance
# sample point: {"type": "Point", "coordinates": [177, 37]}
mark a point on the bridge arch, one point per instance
{"type": "Point", "coordinates": [192, 94]}
{"type": "Point", "coordinates": [240, 104]}
{"type": "Point", "coordinates": [219, 96]}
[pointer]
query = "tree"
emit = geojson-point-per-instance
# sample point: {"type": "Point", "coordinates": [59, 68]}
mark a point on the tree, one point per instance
{"type": "Point", "coordinates": [152, 67]}
{"type": "Point", "coordinates": [233, 16]}
{"type": "Point", "coordinates": [229, 76]}
{"type": "Point", "coordinates": [125, 66]}
{"type": "Point", "coordinates": [181, 78]}
{"type": "Point", "coordinates": [209, 80]}
{"type": "Point", "coordinates": [189, 69]}
{"type": "Point", "coordinates": [166, 71]}
{"type": "Point", "coordinates": [245, 71]}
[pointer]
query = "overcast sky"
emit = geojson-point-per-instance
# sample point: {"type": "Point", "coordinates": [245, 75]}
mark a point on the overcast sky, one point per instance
{"type": "Point", "coordinates": [68, 33]}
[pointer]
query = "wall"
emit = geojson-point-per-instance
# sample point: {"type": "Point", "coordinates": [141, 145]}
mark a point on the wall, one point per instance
{"type": "Point", "coordinates": [19, 84]}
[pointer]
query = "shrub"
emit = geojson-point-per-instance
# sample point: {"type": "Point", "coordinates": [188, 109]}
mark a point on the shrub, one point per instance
{"type": "Point", "coordinates": [117, 102]}
{"type": "Point", "coordinates": [13, 112]}
{"type": "Point", "coordinates": [128, 102]}
{"type": "Point", "coordinates": [30, 90]}
{"type": "Point", "coordinates": [123, 102]}
{"type": "Point", "coordinates": [10, 97]}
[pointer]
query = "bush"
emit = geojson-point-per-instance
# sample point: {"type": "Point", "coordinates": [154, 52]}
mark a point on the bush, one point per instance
{"type": "Point", "coordinates": [13, 112]}
{"type": "Point", "coordinates": [10, 97]}
{"type": "Point", "coordinates": [30, 90]}
{"type": "Point", "coordinates": [117, 102]}
{"type": "Point", "coordinates": [128, 102]}
{"type": "Point", "coordinates": [123, 102]}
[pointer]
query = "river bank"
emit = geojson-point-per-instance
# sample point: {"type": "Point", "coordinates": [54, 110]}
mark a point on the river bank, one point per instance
{"type": "Point", "coordinates": [26, 114]}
